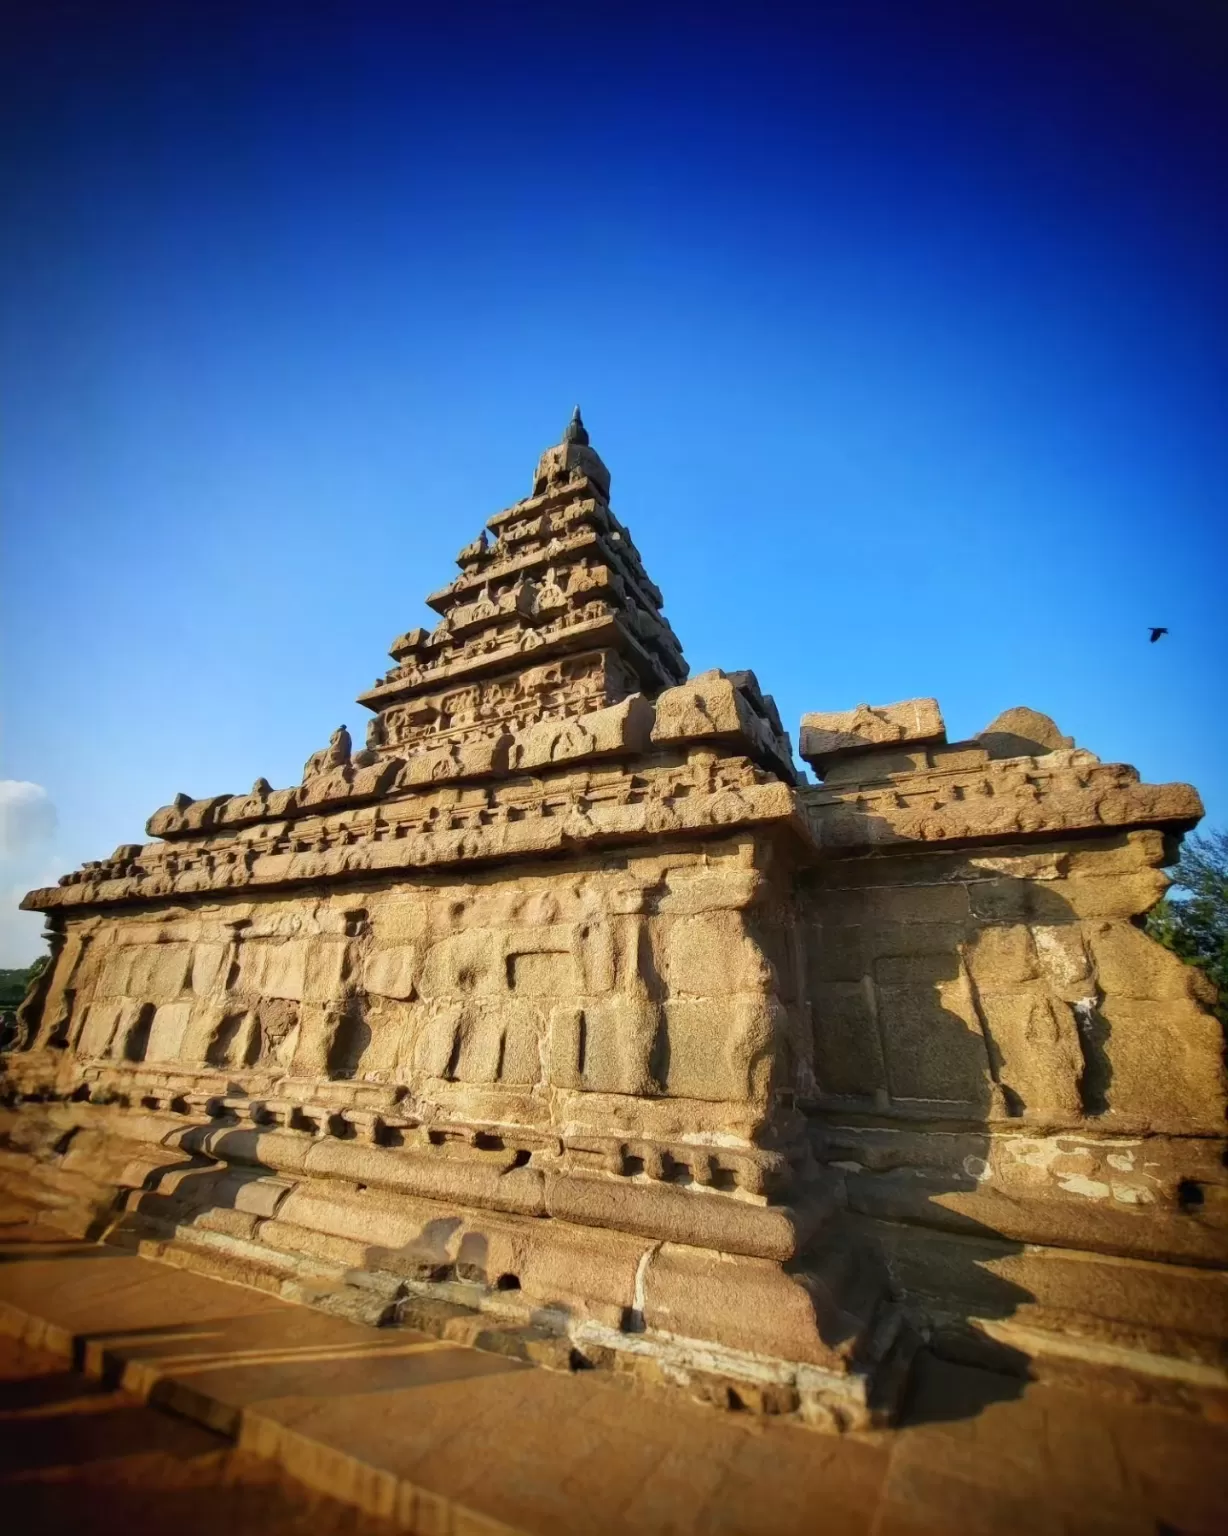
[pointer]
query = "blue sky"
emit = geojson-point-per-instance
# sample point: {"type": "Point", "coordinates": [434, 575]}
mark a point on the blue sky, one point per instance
{"type": "Point", "coordinates": [900, 327]}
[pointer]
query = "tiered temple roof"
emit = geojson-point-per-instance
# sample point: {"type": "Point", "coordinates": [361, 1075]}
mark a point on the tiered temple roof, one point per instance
{"type": "Point", "coordinates": [551, 648]}
{"type": "Point", "coordinates": [552, 616]}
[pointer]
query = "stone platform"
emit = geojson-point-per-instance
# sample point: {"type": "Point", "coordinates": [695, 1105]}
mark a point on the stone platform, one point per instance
{"type": "Point", "coordinates": [73, 1450]}
{"type": "Point", "coordinates": [425, 1435]}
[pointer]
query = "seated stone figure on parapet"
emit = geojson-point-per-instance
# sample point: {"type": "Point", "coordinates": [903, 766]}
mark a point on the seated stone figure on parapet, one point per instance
{"type": "Point", "coordinates": [335, 755]}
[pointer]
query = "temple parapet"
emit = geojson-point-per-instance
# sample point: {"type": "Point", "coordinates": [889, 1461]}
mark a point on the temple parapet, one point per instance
{"type": "Point", "coordinates": [728, 711]}
{"type": "Point", "coordinates": [892, 778]}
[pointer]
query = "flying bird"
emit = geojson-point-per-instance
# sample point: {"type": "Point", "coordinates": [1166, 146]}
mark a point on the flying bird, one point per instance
{"type": "Point", "coordinates": [1157, 631]}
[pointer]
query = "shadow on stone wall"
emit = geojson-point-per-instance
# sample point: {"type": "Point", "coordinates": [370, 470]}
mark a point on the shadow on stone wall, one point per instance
{"type": "Point", "coordinates": [960, 1027]}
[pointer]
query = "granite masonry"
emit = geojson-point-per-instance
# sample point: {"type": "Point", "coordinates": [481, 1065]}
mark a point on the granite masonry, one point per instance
{"type": "Point", "coordinates": [567, 1012]}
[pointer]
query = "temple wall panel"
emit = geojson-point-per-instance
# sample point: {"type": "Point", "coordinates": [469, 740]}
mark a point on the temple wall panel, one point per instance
{"type": "Point", "coordinates": [643, 976]}
{"type": "Point", "coordinates": [1014, 983]}
{"type": "Point", "coordinates": [1004, 1059]}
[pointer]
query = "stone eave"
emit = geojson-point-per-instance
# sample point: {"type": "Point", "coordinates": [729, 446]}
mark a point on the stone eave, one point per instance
{"type": "Point", "coordinates": [590, 634]}
{"type": "Point", "coordinates": [235, 867]}
{"type": "Point", "coordinates": [580, 488]}
{"type": "Point", "coordinates": [583, 538]}
{"type": "Point", "coordinates": [1010, 798]}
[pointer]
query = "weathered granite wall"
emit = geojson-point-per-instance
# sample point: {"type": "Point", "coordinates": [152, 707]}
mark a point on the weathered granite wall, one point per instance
{"type": "Point", "coordinates": [641, 976]}
{"type": "Point", "coordinates": [1021, 1093]}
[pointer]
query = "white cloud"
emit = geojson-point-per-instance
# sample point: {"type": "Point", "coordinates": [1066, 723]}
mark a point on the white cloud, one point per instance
{"type": "Point", "coordinates": [27, 859]}
{"type": "Point", "coordinates": [21, 933]}
{"type": "Point", "coordinates": [27, 818]}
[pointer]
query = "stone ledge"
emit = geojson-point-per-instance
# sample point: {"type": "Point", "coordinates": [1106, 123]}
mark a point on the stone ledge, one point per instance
{"type": "Point", "coordinates": [995, 800]}
{"type": "Point", "coordinates": [239, 866]}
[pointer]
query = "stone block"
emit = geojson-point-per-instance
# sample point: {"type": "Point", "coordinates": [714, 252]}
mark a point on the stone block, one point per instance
{"type": "Point", "coordinates": [1165, 1064]}
{"type": "Point", "coordinates": [324, 969]}
{"type": "Point", "coordinates": [391, 972]}
{"type": "Point", "coordinates": [598, 957]}
{"type": "Point", "coordinates": [848, 1057]}
{"type": "Point", "coordinates": [483, 755]}
{"type": "Point", "coordinates": [717, 1048]}
{"type": "Point", "coordinates": [712, 956]}
{"type": "Point", "coordinates": [104, 1021]}
{"type": "Point", "coordinates": [882, 763]}
{"type": "Point", "coordinates": [400, 918]}
{"type": "Point", "coordinates": [115, 976]}
{"type": "Point", "coordinates": [709, 891]}
{"type": "Point", "coordinates": [707, 706]}
{"type": "Point", "coordinates": [206, 968]}
{"type": "Point", "coordinates": [619, 729]}
{"type": "Point", "coordinates": [743, 1303]}
{"type": "Point", "coordinates": [826, 738]}
{"type": "Point", "coordinates": [1064, 962]}
{"type": "Point", "coordinates": [164, 971]}
{"type": "Point", "coordinates": [1036, 1046]}
{"type": "Point", "coordinates": [566, 1046]}
{"type": "Point", "coordinates": [617, 1045]}
{"type": "Point", "coordinates": [665, 1211]}
{"type": "Point", "coordinates": [436, 1045]}
{"type": "Point", "coordinates": [520, 1059]}
{"type": "Point", "coordinates": [268, 969]}
{"type": "Point", "coordinates": [584, 1268]}
{"type": "Point", "coordinates": [1129, 964]}
{"type": "Point", "coordinates": [542, 973]}
{"type": "Point", "coordinates": [170, 1023]}
{"type": "Point", "coordinates": [427, 767]}
{"type": "Point", "coordinates": [933, 1044]}
{"type": "Point", "coordinates": [1114, 896]}
{"type": "Point", "coordinates": [1023, 732]}
{"type": "Point", "coordinates": [922, 968]}
{"type": "Point", "coordinates": [372, 1218]}
{"type": "Point", "coordinates": [1003, 956]}
{"type": "Point", "coordinates": [836, 952]}
{"type": "Point", "coordinates": [463, 964]}
{"type": "Point", "coordinates": [915, 904]}
{"type": "Point", "coordinates": [1122, 854]}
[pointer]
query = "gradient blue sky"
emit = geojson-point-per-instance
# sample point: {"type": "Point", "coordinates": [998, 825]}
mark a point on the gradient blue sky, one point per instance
{"type": "Point", "coordinates": [901, 327]}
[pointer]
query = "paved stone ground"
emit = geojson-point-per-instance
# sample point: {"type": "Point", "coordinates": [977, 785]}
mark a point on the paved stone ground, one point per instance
{"type": "Point", "coordinates": [456, 1442]}
{"type": "Point", "coordinates": [75, 1456]}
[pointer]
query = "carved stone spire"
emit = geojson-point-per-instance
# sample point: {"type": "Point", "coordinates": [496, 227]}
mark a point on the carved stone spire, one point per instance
{"type": "Point", "coordinates": [554, 617]}
{"type": "Point", "coordinates": [570, 461]}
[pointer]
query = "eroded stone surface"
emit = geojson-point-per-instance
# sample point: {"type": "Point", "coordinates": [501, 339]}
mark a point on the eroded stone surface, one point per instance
{"type": "Point", "coordinates": [825, 739]}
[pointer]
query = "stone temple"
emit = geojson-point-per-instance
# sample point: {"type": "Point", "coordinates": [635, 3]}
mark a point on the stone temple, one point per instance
{"type": "Point", "coordinates": [566, 1010]}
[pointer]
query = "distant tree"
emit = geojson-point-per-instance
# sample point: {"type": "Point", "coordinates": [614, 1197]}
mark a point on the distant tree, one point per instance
{"type": "Point", "coordinates": [12, 987]}
{"type": "Point", "coordinates": [13, 983]}
{"type": "Point", "coordinates": [1194, 924]}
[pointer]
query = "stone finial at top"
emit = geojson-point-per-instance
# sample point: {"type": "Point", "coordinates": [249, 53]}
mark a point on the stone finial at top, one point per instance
{"type": "Point", "coordinates": [572, 459]}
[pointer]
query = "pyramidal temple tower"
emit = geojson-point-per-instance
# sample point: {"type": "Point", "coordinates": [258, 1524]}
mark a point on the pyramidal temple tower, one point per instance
{"type": "Point", "coordinates": [551, 617]}
{"type": "Point", "coordinates": [566, 1010]}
